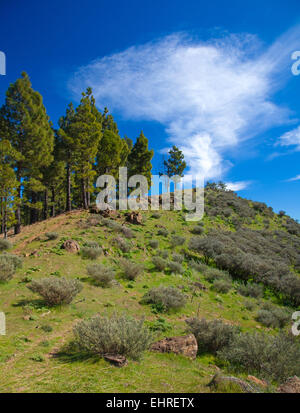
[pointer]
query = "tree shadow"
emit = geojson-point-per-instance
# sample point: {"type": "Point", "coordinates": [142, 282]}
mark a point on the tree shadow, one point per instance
{"type": "Point", "coordinates": [70, 353]}
{"type": "Point", "coordinates": [36, 304]}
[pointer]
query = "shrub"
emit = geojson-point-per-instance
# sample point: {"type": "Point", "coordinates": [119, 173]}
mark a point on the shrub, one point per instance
{"type": "Point", "coordinates": [197, 230]}
{"type": "Point", "coordinates": [272, 316]}
{"type": "Point", "coordinates": [163, 254]}
{"type": "Point", "coordinates": [127, 232]}
{"type": "Point", "coordinates": [213, 274]}
{"type": "Point", "coordinates": [122, 244]}
{"type": "Point", "coordinates": [8, 265]}
{"type": "Point", "coordinates": [222, 286]}
{"type": "Point", "coordinates": [5, 244]}
{"type": "Point", "coordinates": [51, 235]}
{"type": "Point", "coordinates": [165, 298]}
{"type": "Point", "coordinates": [249, 305]}
{"type": "Point", "coordinates": [251, 290]}
{"type": "Point", "coordinates": [159, 263]}
{"type": "Point", "coordinates": [156, 215]}
{"type": "Point", "coordinates": [199, 266]}
{"type": "Point", "coordinates": [160, 325]}
{"type": "Point", "coordinates": [101, 274]}
{"type": "Point", "coordinates": [177, 240]}
{"type": "Point", "coordinates": [115, 226]}
{"type": "Point", "coordinates": [56, 291]}
{"type": "Point", "coordinates": [92, 244]}
{"type": "Point", "coordinates": [178, 258]}
{"type": "Point", "coordinates": [91, 253]}
{"type": "Point", "coordinates": [130, 269]}
{"type": "Point", "coordinates": [176, 267]}
{"type": "Point", "coordinates": [115, 335]}
{"type": "Point", "coordinates": [272, 357]}
{"type": "Point", "coordinates": [211, 336]}
{"type": "Point", "coordinates": [163, 232]}
{"type": "Point", "coordinates": [153, 243]}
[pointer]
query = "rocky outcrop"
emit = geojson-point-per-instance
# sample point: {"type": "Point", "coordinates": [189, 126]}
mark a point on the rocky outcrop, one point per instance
{"type": "Point", "coordinates": [71, 246]}
{"type": "Point", "coordinates": [291, 385]}
{"type": "Point", "coordinates": [134, 217]}
{"type": "Point", "coordinates": [186, 345]}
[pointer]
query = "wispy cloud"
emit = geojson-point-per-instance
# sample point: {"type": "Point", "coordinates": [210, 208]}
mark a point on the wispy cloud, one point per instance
{"type": "Point", "coordinates": [291, 138]}
{"type": "Point", "coordinates": [295, 178]}
{"type": "Point", "coordinates": [210, 96]}
{"type": "Point", "coordinates": [238, 186]}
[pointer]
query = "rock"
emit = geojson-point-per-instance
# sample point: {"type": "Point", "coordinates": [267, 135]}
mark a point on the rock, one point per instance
{"type": "Point", "coordinates": [219, 380]}
{"type": "Point", "coordinates": [108, 213]}
{"type": "Point", "coordinates": [200, 286]}
{"type": "Point", "coordinates": [71, 246]}
{"type": "Point", "coordinates": [34, 253]}
{"type": "Point", "coordinates": [257, 381]}
{"type": "Point", "coordinates": [134, 218]}
{"type": "Point", "coordinates": [116, 359]}
{"type": "Point", "coordinates": [291, 385]}
{"type": "Point", "coordinates": [186, 345]}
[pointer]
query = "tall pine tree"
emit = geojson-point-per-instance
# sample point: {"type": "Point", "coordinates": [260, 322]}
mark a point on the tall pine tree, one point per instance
{"type": "Point", "coordinates": [139, 159]}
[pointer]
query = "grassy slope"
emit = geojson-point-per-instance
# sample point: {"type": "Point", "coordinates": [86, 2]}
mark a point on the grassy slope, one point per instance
{"type": "Point", "coordinates": [27, 363]}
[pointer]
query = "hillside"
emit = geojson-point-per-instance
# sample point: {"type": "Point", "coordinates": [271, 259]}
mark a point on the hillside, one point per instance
{"type": "Point", "coordinates": [245, 238]}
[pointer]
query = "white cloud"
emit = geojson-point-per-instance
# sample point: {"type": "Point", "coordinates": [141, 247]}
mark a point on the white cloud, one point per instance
{"type": "Point", "coordinates": [238, 186]}
{"type": "Point", "coordinates": [291, 138]}
{"type": "Point", "coordinates": [296, 178]}
{"type": "Point", "coordinates": [210, 96]}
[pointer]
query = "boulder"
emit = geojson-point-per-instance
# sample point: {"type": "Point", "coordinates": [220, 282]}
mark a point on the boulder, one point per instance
{"type": "Point", "coordinates": [71, 246]}
{"type": "Point", "coordinates": [291, 385]}
{"type": "Point", "coordinates": [116, 359]}
{"type": "Point", "coordinates": [186, 345]}
{"type": "Point", "coordinates": [257, 381]}
{"type": "Point", "coordinates": [134, 218]}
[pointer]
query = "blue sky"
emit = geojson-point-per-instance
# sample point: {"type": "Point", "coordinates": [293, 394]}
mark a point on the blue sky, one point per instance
{"type": "Point", "coordinates": [212, 77]}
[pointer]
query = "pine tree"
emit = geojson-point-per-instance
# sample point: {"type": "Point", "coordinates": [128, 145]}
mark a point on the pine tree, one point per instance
{"type": "Point", "coordinates": [139, 159]}
{"type": "Point", "coordinates": [30, 134]}
{"type": "Point", "coordinates": [86, 132]}
{"type": "Point", "coordinates": [175, 165]}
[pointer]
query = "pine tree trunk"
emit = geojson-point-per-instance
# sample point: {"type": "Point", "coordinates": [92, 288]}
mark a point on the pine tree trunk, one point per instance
{"type": "Point", "coordinates": [5, 218]}
{"type": "Point", "coordinates": [33, 211]}
{"type": "Point", "coordinates": [18, 209]}
{"type": "Point", "coordinates": [46, 204]}
{"type": "Point", "coordinates": [53, 203]}
{"type": "Point", "coordinates": [68, 205]}
{"type": "Point", "coordinates": [83, 191]}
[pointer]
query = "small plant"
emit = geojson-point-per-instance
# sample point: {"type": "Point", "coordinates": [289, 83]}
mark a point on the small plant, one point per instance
{"type": "Point", "coordinates": [51, 235]}
{"type": "Point", "coordinates": [164, 298]}
{"type": "Point", "coordinates": [178, 258]}
{"type": "Point", "coordinates": [197, 230]}
{"type": "Point", "coordinates": [159, 263]}
{"type": "Point", "coordinates": [222, 286]}
{"type": "Point", "coordinates": [177, 240]}
{"type": "Point", "coordinates": [101, 274]}
{"type": "Point", "coordinates": [122, 244]}
{"type": "Point", "coordinates": [156, 215]}
{"type": "Point", "coordinates": [153, 243]}
{"type": "Point", "coordinates": [249, 305]}
{"type": "Point", "coordinates": [115, 335]}
{"type": "Point", "coordinates": [163, 254]}
{"type": "Point", "coordinates": [163, 232]}
{"type": "Point", "coordinates": [160, 325]}
{"type": "Point", "coordinates": [211, 336]}
{"type": "Point", "coordinates": [8, 266]}
{"type": "Point", "coordinates": [127, 232]}
{"type": "Point", "coordinates": [91, 253]}
{"type": "Point", "coordinates": [176, 267]}
{"type": "Point", "coordinates": [47, 328]}
{"type": "Point", "coordinates": [251, 290]}
{"type": "Point", "coordinates": [214, 274]}
{"type": "Point", "coordinates": [5, 244]}
{"type": "Point", "coordinates": [92, 244]}
{"type": "Point", "coordinates": [56, 291]}
{"type": "Point", "coordinates": [130, 269]}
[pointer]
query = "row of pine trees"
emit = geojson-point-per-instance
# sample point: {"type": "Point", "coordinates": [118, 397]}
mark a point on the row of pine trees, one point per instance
{"type": "Point", "coordinates": [45, 171]}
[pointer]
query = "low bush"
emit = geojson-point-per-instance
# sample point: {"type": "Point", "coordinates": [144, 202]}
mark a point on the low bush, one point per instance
{"type": "Point", "coordinates": [159, 263]}
{"type": "Point", "coordinates": [211, 336]}
{"type": "Point", "coordinates": [251, 290]}
{"type": "Point", "coordinates": [163, 232]}
{"type": "Point", "coordinates": [101, 274]}
{"type": "Point", "coordinates": [122, 244]}
{"type": "Point", "coordinates": [127, 232]}
{"type": "Point", "coordinates": [214, 274]}
{"type": "Point", "coordinates": [197, 230]}
{"type": "Point", "coordinates": [222, 286]}
{"type": "Point", "coordinates": [178, 258]}
{"type": "Point", "coordinates": [271, 357]}
{"type": "Point", "coordinates": [272, 316]}
{"type": "Point", "coordinates": [153, 243]}
{"type": "Point", "coordinates": [5, 244]}
{"type": "Point", "coordinates": [177, 240]}
{"type": "Point", "coordinates": [163, 254]}
{"type": "Point", "coordinates": [51, 235]}
{"type": "Point", "coordinates": [130, 269]}
{"type": "Point", "coordinates": [176, 267]}
{"type": "Point", "coordinates": [156, 215]}
{"type": "Point", "coordinates": [8, 266]}
{"type": "Point", "coordinates": [164, 298]}
{"type": "Point", "coordinates": [91, 253]}
{"type": "Point", "coordinates": [55, 290]}
{"type": "Point", "coordinates": [113, 335]}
